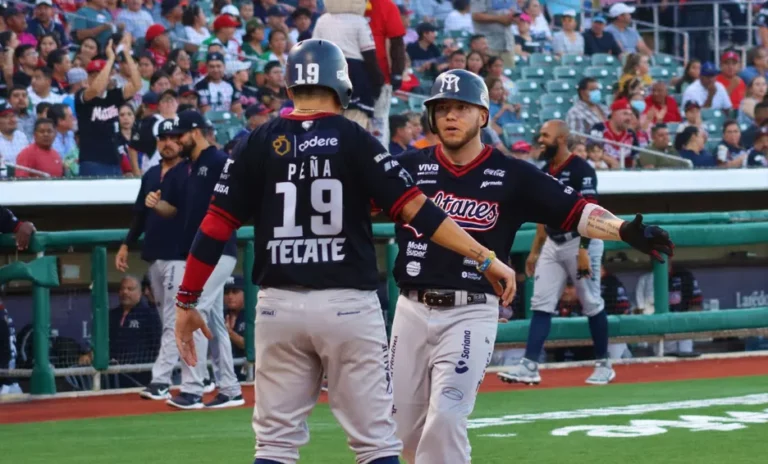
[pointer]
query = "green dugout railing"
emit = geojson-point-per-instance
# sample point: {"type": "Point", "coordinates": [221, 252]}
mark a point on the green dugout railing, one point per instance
{"type": "Point", "coordinates": [687, 230]}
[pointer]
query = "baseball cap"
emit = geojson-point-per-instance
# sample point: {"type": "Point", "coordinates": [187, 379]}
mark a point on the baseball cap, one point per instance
{"type": "Point", "coordinates": [709, 69]}
{"type": "Point", "coordinates": [215, 56]}
{"type": "Point", "coordinates": [5, 107]}
{"type": "Point", "coordinates": [168, 92]}
{"type": "Point", "coordinates": [620, 104]}
{"type": "Point", "coordinates": [571, 13]}
{"type": "Point", "coordinates": [186, 90]}
{"type": "Point", "coordinates": [235, 66]}
{"type": "Point", "coordinates": [76, 75]}
{"type": "Point", "coordinates": [599, 19]}
{"type": "Point", "coordinates": [153, 32]}
{"type": "Point", "coordinates": [618, 9]}
{"type": "Point", "coordinates": [301, 12]}
{"type": "Point", "coordinates": [730, 55]}
{"type": "Point", "coordinates": [275, 10]}
{"type": "Point", "coordinates": [189, 120]}
{"type": "Point", "coordinates": [12, 11]}
{"type": "Point", "coordinates": [169, 5]}
{"type": "Point", "coordinates": [423, 28]}
{"type": "Point", "coordinates": [225, 20]}
{"type": "Point", "coordinates": [526, 18]}
{"type": "Point", "coordinates": [234, 282]}
{"type": "Point", "coordinates": [256, 109]}
{"type": "Point", "coordinates": [95, 66]}
{"type": "Point", "coordinates": [44, 2]}
{"type": "Point", "coordinates": [230, 10]}
{"type": "Point", "coordinates": [521, 146]}
{"type": "Point", "coordinates": [167, 127]}
{"type": "Point", "coordinates": [691, 104]}
{"type": "Point", "coordinates": [150, 99]}
{"type": "Point", "coordinates": [404, 10]}
{"type": "Point", "coordinates": [254, 23]}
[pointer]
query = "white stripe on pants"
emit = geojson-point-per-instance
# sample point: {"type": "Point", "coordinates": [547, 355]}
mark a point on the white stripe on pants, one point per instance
{"type": "Point", "coordinates": [211, 306]}
{"type": "Point", "coordinates": [165, 278]}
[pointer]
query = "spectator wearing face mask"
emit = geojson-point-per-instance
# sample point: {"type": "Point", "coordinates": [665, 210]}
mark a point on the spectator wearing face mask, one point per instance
{"type": "Point", "coordinates": [588, 110]}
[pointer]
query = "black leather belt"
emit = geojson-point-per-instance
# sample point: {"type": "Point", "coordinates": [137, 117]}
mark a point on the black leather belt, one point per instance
{"type": "Point", "coordinates": [445, 298]}
{"type": "Point", "coordinates": [562, 238]}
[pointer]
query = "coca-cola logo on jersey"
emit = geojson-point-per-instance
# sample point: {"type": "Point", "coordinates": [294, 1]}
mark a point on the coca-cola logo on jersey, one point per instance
{"type": "Point", "coordinates": [104, 114]}
{"type": "Point", "coordinates": [469, 213]}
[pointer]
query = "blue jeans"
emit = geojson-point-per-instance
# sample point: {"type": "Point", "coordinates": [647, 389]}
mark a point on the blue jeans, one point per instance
{"type": "Point", "coordinates": [93, 169]}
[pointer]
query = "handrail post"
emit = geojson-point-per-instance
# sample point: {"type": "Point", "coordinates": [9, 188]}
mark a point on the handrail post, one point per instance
{"type": "Point", "coordinates": [392, 291]}
{"type": "Point", "coordinates": [661, 286]}
{"type": "Point", "coordinates": [42, 381]}
{"type": "Point", "coordinates": [251, 298]}
{"type": "Point", "coordinates": [716, 19]}
{"type": "Point", "coordinates": [100, 309]}
{"type": "Point", "coordinates": [528, 297]}
{"type": "Point", "coordinates": [655, 9]}
{"type": "Point", "coordinates": [750, 26]}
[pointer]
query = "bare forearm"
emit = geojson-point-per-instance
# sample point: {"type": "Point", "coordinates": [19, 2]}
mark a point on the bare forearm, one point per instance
{"type": "Point", "coordinates": [539, 239]}
{"type": "Point", "coordinates": [488, 18]}
{"type": "Point", "coordinates": [134, 79]}
{"type": "Point", "coordinates": [236, 339]}
{"type": "Point", "coordinates": [99, 84]}
{"type": "Point", "coordinates": [165, 209]}
{"type": "Point", "coordinates": [92, 32]}
{"type": "Point", "coordinates": [599, 223]}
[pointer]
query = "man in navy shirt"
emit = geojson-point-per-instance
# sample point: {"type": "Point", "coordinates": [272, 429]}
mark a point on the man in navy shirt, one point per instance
{"type": "Point", "coordinates": [158, 249]}
{"type": "Point", "coordinates": [596, 40]}
{"type": "Point", "coordinates": [43, 23]}
{"type": "Point", "coordinates": [423, 53]}
{"type": "Point", "coordinates": [234, 317]}
{"type": "Point", "coordinates": [188, 193]}
{"type": "Point", "coordinates": [134, 327]}
{"type": "Point", "coordinates": [401, 134]}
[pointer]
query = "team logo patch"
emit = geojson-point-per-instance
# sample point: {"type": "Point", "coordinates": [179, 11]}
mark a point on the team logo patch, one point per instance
{"type": "Point", "coordinates": [450, 82]}
{"type": "Point", "coordinates": [281, 145]}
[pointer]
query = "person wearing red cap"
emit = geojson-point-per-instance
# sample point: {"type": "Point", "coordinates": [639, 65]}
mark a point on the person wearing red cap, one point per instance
{"type": "Point", "coordinates": [97, 112]}
{"type": "Point", "coordinates": [617, 129]}
{"type": "Point", "coordinates": [158, 44]}
{"type": "Point", "coordinates": [224, 28]}
{"type": "Point", "coordinates": [729, 77]}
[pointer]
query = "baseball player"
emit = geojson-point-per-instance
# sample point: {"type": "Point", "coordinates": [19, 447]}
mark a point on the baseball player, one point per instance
{"type": "Point", "coordinates": [556, 256]}
{"type": "Point", "coordinates": [307, 178]}
{"type": "Point", "coordinates": [446, 318]}
{"type": "Point", "coordinates": [185, 194]}
{"type": "Point", "coordinates": [165, 269]}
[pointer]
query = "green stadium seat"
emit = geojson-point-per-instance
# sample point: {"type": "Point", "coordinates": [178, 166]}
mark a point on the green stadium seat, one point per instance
{"type": "Point", "coordinates": [514, 73]}
{"type": "Point", "coordinates": [398, 106]}
{"type": "Point", "coordinates": [678, 97]}
{"type": "Point", "coordinates": [604, 59]}
{"type": "Point", "coordinates": [659, 73]}
{"type": "Point", "coordinates": [514, 132]}
{"type": "Point", "coordinates": [528, 86]}
{"type": "Point", "coordinates": [524, 99]}
{"type": "Point", "coordinates": [537, 73]}
{"type": "Point", "coordinates": [554, 100]}
{"type": "Point", "coordinates": [547, 114]}
{"type": "Point", "coordinates": [666, 61]}
{"type": "Point", "coordinates": [714, 117]}
{"type": "Point", "coordinates": [416, 104]}
{"type": "Point", "coordinates": [542, 60]}
{"type": "Point", "coordinates": [459, 34]}
{"type": "Point", "coordinates": [673, 126]}
{"type": "Point", "coordinates": [608, 99]}
{"type": "Point", "coordinates": [220, 117]}
{"type": "Point", "coordinates": [560, 86]}
{"type": "Point", "coordinates": [712, 143]}
{"type": "Point", "coordinates": [743, 126]}
{"type": "Point", "coordinates": [521, 61]}
{"type": "Point", "coordinates": [600, 72]}
{"type": "Point", "coordinates": [566, 72]}
{"type": "Point", "coordinates": [573, 60]}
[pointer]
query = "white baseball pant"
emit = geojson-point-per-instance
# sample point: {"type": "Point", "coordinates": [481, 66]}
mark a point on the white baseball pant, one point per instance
{"type": "Point", "coordinates": [379, 124]}
{"type": "Point", "coordinates": [443, 354]}
{"type": "Point", "coordinates": [301, 333]}
{"type": "Point", "coordinates": [211, 306]}
{"type": "Point", "coordinates": [164, 279]}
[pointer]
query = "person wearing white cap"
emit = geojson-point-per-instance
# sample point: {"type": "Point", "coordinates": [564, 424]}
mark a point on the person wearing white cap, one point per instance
{"type": "Point", "coordinates": [628, 37]}
{"type": "Point", "coordinates": [243, 95]}
{"type": "Point", "coordinates": [568, 41]}
{"type": "Point", "coordinates": [42, 23]}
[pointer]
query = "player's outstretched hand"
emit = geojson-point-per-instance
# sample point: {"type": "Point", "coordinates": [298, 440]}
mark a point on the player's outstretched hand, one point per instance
{"type": "Point", "coordinates": [502, 277]}
{"type": "Point", "coordinates": [187, 322]}
{"type": "Point", "coordinates": [651, 240]}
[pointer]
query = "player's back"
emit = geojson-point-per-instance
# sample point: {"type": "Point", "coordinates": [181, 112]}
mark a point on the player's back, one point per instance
{"type": "Point", "coordinates": [312, 215]}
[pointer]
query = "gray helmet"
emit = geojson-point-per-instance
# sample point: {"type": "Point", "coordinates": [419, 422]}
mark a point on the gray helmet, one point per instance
{"type": "Point", "coordinates": [322, 63]}
{"type": "Point", "coordinates": [460, 85]}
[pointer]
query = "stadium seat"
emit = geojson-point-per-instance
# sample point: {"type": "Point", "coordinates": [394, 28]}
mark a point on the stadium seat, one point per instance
{"type": "Point", "coordinates": [554, 100]}
{"type": "Point", "coordinates": [569, 72]}
{"type": "Point", "coordinates": [416, 104]}
{"type": "Point", "coordinates": [608, 99]}
{"type": "Point", "coordinates": [573, 60]}
{"type": "Point", "coordinates": [537, 73]}
{"type": "Point", "coordinates": [743, 126]}
{"type": "Point", "coordinates": [604, 59]}
{"type": "Point", "coordinates": [673, 126]}
{"type": "Point", "coordinates": [547, 114]}
{"type": "Point", "coordinates": [542, 60]}
{"type": "Point", "coordinates": [715, 117]}
{"type": "Point", "coordinates": [514, 132]}
{"type": "Point", "coordinates": [666, 61]}
{"type": "Point", "coordinates": [528, 86]}
{"type": "Point", "coordinates": [398, 106]}
{"type": "Point", "coordinates": [712, 143]}
{"type": "Point", "coordinates": [459, 34]}
{"type": "Point", "coordinates": [600, 72]}
{"type": "Point", "coordinates": [524, 99]}
{"type": "Point", "coordinates": [220, 117]}
{"type": "Point", "coordinates": [660, 73]}
{"type": "Point", "coordinates": [560, 86]}
{"type": "Point", "coordinates": [678, 97]}
{"type": "Point", "coordinates": [521, 61]}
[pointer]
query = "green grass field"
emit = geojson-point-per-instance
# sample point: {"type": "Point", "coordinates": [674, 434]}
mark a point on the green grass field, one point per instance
{"type": "Point", "coordinates": [674, 425]}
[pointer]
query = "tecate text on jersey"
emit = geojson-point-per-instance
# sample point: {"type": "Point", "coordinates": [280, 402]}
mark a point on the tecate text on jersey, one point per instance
{"type": "Point", "coordinates": [306, 250]}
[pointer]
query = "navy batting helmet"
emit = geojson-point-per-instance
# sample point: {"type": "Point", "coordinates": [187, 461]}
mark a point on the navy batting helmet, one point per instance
{"type": "Point", "coordinates": [460, 85]}
{"type": "Point", "coordinates": [322, 63]}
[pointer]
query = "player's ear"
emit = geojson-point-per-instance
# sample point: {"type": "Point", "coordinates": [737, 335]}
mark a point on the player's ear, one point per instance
{"type": "Point", "coordinates": [290, 93]}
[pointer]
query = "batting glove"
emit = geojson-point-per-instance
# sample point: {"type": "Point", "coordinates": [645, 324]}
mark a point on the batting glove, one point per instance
{"type": "Point", "coordinates": [651, 240]}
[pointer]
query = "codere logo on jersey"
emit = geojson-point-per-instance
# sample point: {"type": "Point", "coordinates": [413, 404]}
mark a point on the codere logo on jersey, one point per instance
{"type": "Point", "coordinates": [318, 143]}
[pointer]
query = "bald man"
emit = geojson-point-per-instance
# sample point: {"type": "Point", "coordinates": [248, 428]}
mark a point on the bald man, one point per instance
{"type": "Point", "coordinates": [556, 256]}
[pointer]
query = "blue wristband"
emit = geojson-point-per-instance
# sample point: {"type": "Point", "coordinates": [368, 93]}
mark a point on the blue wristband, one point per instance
{"type": "Point", "coordinates": [482, 267]}
{"type": "Point", "coordinates": [428, 219]}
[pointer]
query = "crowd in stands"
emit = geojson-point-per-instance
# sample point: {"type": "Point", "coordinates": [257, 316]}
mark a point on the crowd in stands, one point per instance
{"type": "Point", "coordinates": [83, 84]}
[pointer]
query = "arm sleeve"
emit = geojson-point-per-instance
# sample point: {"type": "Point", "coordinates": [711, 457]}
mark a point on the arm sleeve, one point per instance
{"type": "Point", "coordinates": [385, 180]}
{"type": "Point", "coordinates": [546, 200]}
{"type": "Point", "coordinates": [8, 222]}
{"type": "Point", "coordinates": [234, 201]}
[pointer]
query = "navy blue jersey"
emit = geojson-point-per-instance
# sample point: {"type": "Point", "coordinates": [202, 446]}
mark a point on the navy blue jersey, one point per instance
{"type": "Point", "coordinates": [614, 294]}
{"type": "Point", "coordinates": [134, 338]}
{"type": "Point", "coordinates": [239, 329]}
{"type": "Point", "coordinates": [490, 198]}
{"type": "Point", "coordinates": [756, 158]}
{"type": "Point", "coordinates": [684, 291]}
{"type": "Point", "coordinates": [189, 188]}
{"type": "Point", "coordinates": [161, 235]}
{"type": "Point", "coordinates": [308, 183]}
{"type": "Point", "coordinates": [578, 175]}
